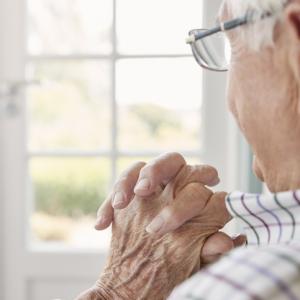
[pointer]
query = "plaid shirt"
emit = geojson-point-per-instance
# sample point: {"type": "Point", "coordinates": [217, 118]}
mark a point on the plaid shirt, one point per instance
{"type": "Point", "coordinates": [269, 267]}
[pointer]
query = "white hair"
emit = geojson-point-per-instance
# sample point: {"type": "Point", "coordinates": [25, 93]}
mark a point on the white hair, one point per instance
{"type": "Point", "coordinates": [259, 33]}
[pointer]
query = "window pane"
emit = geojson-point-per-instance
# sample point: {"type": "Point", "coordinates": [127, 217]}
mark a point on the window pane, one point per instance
{"type": "Point", "coordinates": [71, 108]}
{"type": "Point", "coordinates": [69, 26]}
{"type": "Point", "coordinates": [155, 26]}
{"type": "Point", "coordinates": [66, 194]}
{"type": "Point", "coordinates": [159, 104]}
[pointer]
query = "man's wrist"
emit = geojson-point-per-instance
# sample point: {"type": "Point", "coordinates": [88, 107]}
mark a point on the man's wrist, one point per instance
{"type": "Point", "coordinates": [104, 292]}
{"type": "Point", "coordinates": [111, 289]}
{"type": "Point", "coordinates": [99, 291]}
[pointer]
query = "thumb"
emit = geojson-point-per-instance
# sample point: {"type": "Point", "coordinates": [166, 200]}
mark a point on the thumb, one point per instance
{"type": "Point", "coordinates": [239, 240]}
{"type": "Point", "coordinates": [218, 244]}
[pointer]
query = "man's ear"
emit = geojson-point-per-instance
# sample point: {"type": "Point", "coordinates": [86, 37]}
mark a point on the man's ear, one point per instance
{"type": "Point", "coordinates": [292, 41]}
{"type": "Point", "coordinates": [292, 18]}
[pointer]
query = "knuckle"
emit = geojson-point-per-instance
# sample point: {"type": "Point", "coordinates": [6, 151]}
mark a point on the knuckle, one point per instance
{"type": "Point", "coordinates": [203, 174]}
{"type": "Point", "coordinates": [173, 157]}
{"type": "Point", "coordinates": [210, 171]}
{"type": "Point", "coordinates": [193, 172]}
{"type": "Point", "coordinates": [155, 169]}
{"type": "Point", "coordinates": [177, 219]}
{"type": "Point", "coordinates": [198, 190]}
{"type": "Point", "coordinates": [176, 156]}
{"type": "Point", "coordinates": [157, 165]}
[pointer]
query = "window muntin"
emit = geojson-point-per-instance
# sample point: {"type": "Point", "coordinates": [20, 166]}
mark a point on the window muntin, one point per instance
{"type": "Point", "coordinates": [80, 132]}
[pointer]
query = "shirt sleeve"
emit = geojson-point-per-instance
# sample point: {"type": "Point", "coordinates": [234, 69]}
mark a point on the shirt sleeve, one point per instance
{"type": "Point", "coordinates": [270, 271]}
{"type": "Point", "coordinates": [266, 219]}
{"type": "Point", "coordinates": [255, 273]}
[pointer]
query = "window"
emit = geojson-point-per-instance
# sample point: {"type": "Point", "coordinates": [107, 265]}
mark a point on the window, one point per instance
{"type": "Point", "coordinates": [117, 84]}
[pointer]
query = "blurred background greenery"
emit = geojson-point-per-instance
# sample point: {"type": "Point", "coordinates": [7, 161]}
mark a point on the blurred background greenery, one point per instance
{"type": "Point", "coordinates": [72, 188]}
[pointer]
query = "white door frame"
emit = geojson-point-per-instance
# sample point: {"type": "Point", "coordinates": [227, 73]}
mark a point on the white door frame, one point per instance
{"type": "Point", "coordinates": [12, 150]}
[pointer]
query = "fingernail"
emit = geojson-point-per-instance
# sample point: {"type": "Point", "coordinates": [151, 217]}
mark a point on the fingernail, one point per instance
{"type": "Point", "coordinates": [215, 181]}
{"type": "Point", "coordinates": [118, 200]}
{"type": "Point", "coordinates": [155, 225]}
{"type": "Point", "coordinates": [100, 221]}
{"type": "Point", "coordinates": [143, 184]}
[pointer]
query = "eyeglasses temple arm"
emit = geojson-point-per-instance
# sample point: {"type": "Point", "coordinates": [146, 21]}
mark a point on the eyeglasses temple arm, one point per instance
{"type": "Point", "coordinates": [222, 27]}
{"type": "Point", "coordinates": [235, 23]}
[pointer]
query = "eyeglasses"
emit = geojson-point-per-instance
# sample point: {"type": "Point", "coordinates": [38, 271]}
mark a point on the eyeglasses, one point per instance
{"type": "Point", "coordinates": [211, 47]}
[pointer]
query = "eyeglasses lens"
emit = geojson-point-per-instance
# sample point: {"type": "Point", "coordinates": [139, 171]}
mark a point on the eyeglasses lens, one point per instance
{"type": "Point", "coordinates": [213, 52]}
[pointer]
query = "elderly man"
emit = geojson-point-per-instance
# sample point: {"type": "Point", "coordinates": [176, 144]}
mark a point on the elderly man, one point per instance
{"type": "Point", "coordinates": [166, 222]}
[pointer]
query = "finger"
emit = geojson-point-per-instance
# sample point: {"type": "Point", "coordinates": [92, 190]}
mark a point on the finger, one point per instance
{"type": "Point", "coordinates": [240, 240]}
{"type": "Point", "coordinates": [204, 174]}
{"type": "Point", "coordinates": [123, 189]}
{"type": "Point", "coordinates": [188, 204]}
{"type": "Point", "coordinates": [218, 244]}
{"type": "Point", "coordinates": [215, 246]}
{"type": "Point", "coordinates": [217, 203]}
{"type": "Point", "coordinates": [105, 215]}
{"type": "Point", "coordinates": [158, 172]}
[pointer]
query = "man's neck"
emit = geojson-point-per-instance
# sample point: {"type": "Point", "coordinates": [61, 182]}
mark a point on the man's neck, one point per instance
{"type": "Point", "coordinates": [284, 176]}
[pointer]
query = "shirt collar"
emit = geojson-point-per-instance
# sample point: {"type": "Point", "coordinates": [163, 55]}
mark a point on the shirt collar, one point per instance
{"type": "Point", "coordinates": [267, 218]}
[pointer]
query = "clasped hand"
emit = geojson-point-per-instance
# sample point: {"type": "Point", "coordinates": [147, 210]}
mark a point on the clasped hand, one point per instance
{"type": "Point", "coordinates": [165, 226]}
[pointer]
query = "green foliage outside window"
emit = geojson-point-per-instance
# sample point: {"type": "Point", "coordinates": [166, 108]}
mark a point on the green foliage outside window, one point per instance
{"type": "Point", "coordinates": [69, 187]}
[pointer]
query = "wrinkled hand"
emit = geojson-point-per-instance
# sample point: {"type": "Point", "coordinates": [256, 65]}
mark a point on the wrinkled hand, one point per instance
{"type": "Point", "coordinates": [143, 179]}
{"type": "Point", "coordinates": [149, 266]}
